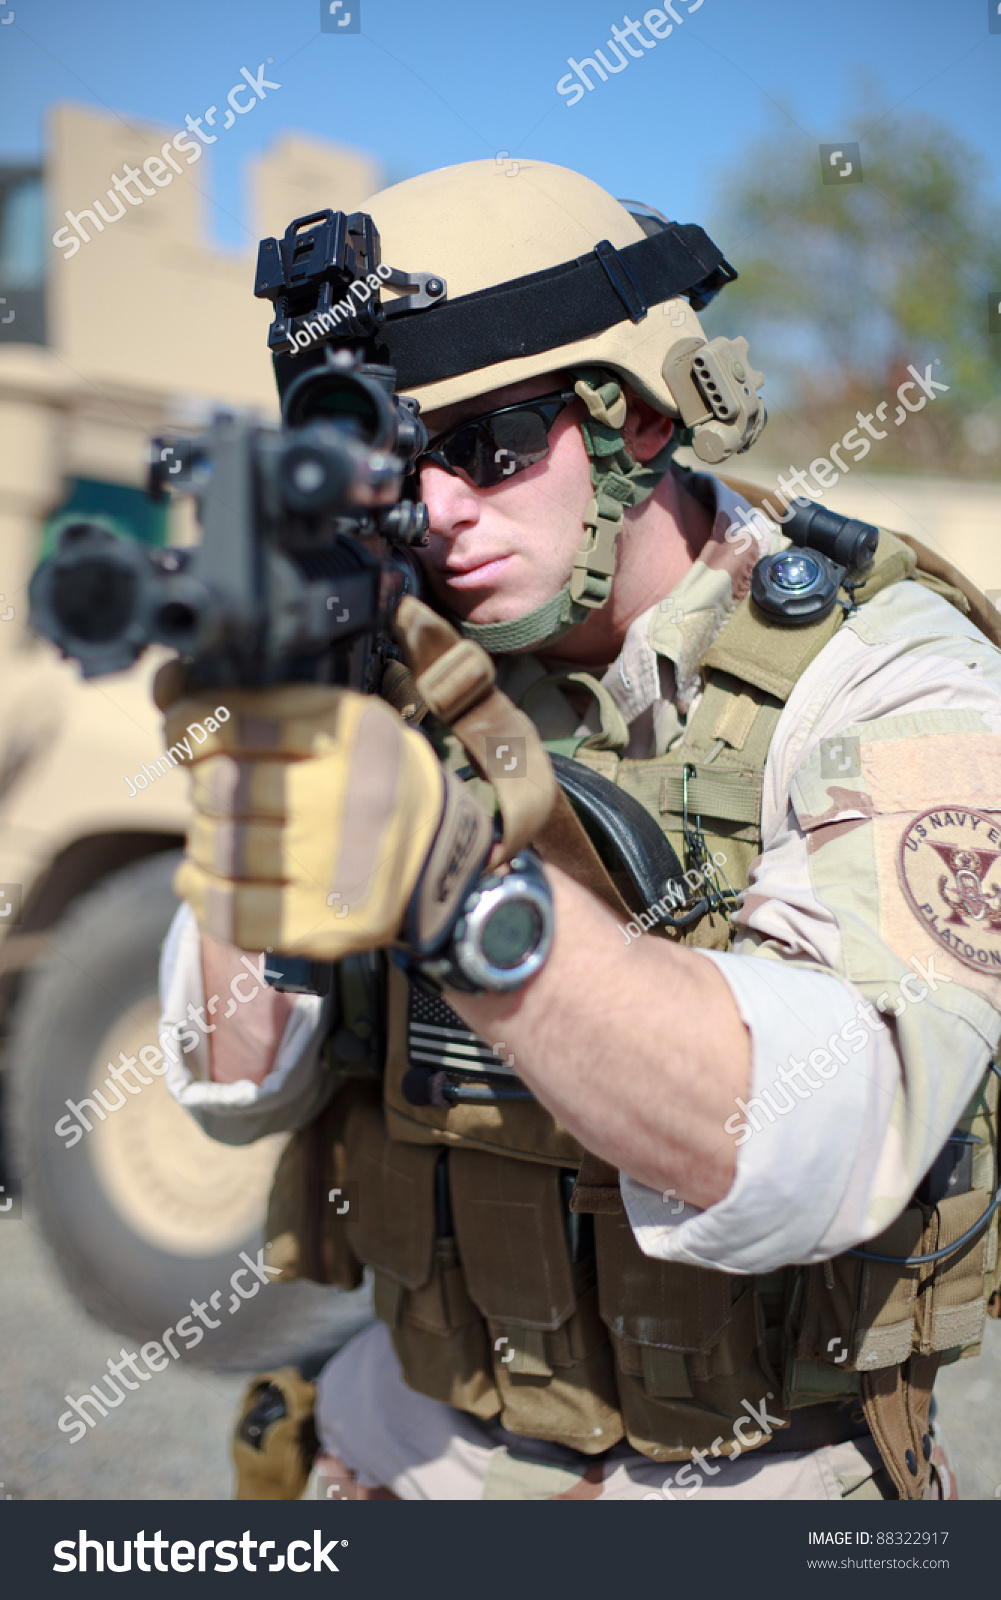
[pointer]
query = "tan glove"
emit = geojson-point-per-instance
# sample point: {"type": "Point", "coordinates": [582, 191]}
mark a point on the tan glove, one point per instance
{"type": "Point", "coordinates": [324, 825]}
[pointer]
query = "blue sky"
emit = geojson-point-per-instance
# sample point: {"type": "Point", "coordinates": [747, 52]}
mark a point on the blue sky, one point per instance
{"type": "Point", "coordinates": [429, 83]}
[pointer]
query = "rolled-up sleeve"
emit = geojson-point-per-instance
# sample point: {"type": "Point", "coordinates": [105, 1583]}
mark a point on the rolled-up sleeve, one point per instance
{"type": "Point", "coordinates": [294, 1091]}
{"type": "Point", "coordinates": [869, 986]}
{"type": "Point", "coordinates": [801, 1132]}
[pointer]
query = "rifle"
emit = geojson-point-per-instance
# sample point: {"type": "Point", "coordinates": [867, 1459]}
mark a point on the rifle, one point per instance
{"type": "Point", "coordinates": [306, 529]}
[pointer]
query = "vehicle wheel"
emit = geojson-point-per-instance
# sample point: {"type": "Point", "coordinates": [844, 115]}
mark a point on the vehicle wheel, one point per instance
{"type": "Point", "coordinates": [145, 1212]}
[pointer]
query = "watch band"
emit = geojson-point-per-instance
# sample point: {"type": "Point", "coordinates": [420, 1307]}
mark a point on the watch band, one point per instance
{"type": "Point", "coordinates": [502, 936]}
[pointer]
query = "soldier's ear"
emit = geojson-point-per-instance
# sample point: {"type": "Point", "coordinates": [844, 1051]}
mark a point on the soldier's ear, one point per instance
{"type": "Point", "coordinates": [645, 430]}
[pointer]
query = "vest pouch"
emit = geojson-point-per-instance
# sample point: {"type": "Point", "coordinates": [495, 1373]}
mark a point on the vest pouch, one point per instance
{"type": "Point", "coordinates": [551, 1360]}
{"type": "Point", "coordinates": [391, 1225]}
{"type": "Point", "coordinates": [439, 1337]}
{"type": "Point", "coordinates": [865, 1315]}
{"type": "Point", "coordinates": [306, 1231]}
{"type": "Point", "coordinates": [953, 1302]}
{"type": "Point", "coordinates": [689, 1346]}
{"type": "Point", "coordinates": [859, 1316]}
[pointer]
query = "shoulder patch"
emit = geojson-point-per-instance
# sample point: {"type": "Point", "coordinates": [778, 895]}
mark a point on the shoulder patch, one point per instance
{"type": "Point", "coordinates": [949, 869]}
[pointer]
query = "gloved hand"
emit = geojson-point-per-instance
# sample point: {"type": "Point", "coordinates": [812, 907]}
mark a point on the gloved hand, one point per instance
{"type": "Point", "coordinates": [324, 825]}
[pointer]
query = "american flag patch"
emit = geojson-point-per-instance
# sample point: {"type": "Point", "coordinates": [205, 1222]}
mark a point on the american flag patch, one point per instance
{"type": "Point", "coordinates": [437, 1039]}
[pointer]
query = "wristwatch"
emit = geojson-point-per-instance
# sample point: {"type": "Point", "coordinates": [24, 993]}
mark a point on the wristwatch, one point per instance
{"type": "Point", "coordinates": [503, 934]}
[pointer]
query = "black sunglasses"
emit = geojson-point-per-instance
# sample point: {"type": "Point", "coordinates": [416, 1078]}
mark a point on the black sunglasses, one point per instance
{"type": "Point", "coordinates": [494, 447]}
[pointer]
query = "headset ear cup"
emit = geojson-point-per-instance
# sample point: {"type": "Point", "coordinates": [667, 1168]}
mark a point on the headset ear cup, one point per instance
{"type": "Point", "coordinates": [717, 393]}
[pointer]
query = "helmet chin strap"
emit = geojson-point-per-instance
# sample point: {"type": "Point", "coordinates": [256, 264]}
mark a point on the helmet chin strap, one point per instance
{"type": "Point", "coordinates": [618, 481]}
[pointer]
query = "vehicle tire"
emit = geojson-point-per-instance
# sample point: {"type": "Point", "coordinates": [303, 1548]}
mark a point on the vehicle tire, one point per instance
{"type": "Point", "coordinates": [145, 1212]}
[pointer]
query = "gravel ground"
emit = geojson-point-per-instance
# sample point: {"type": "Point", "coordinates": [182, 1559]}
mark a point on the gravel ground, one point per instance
{"type": "Point", "coordinates": [170, 1440]}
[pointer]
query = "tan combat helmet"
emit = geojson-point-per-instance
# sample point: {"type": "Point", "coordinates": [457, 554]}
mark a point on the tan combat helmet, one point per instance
{"type": "Point", "coordinates": [546, 272]}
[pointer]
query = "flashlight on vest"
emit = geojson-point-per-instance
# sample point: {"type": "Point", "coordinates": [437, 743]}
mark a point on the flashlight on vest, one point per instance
{"type": "Point", "coordinates": [844, 540]}
{"type": "Point", "coordinates": [799, 586]}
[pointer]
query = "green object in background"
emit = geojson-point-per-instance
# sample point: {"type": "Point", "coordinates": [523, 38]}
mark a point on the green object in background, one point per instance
{"type": "Point", "coordinates": [130, 511]}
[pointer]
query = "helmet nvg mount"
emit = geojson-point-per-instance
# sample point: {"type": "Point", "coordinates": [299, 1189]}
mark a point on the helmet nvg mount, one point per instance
{"type": "Point", "coordinates": [528, 274]}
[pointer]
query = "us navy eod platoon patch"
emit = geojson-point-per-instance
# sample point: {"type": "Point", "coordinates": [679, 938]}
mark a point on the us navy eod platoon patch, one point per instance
{"type": "Point", "coordinates": [949, 871]}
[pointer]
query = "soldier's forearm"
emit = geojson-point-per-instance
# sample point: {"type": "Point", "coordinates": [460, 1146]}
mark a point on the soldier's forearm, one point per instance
{"type": "Point", "coordinates": [639, 1050]}
{"type": "Point", "coordinates": [246, 1043]}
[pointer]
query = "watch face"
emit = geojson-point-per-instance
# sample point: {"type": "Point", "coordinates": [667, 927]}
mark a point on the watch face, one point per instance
{"type": "Point", "coordinates": [511, 933]}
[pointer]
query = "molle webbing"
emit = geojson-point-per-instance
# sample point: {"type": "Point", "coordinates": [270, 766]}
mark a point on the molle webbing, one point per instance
{"type": "Point", "coordinates": [750, 671]}
{"type": "Point", "coordinates": [773, 657]}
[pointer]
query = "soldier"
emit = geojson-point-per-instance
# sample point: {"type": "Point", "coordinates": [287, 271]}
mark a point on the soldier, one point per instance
{"type": "Point", "coordinates": [613, 1154]}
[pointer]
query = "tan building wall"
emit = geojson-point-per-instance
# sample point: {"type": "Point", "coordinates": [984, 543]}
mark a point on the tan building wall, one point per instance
{"type": "Point", "coordinates": [149, 324]}
{"type": "Point", "coordinates": [287, 179]}
{"type": "Point", "coordinates": [148, 303]}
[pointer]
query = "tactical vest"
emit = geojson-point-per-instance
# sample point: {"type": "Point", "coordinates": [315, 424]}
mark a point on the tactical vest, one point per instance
{"type": "Point", "coordinates": [504, 1264]}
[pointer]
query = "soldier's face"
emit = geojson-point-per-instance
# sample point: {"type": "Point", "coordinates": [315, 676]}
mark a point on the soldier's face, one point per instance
{"type": "Point", "coordinates": [497, 553]}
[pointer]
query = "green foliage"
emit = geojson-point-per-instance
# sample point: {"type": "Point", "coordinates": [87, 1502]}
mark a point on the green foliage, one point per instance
{"type": "Point", "coordinates": [842, 285]}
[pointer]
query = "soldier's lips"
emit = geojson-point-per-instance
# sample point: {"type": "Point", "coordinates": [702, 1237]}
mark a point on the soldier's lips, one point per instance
{"type": "Point", "coordinates": [478, 576]}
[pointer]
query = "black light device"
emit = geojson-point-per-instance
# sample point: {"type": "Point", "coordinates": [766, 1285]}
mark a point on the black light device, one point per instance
{"type": "Point", "coordinates": [321, 256]}
{"type": "Point", "coordinates": [798, 586]}
{"type": "Point", "coordinates": [843, 540]}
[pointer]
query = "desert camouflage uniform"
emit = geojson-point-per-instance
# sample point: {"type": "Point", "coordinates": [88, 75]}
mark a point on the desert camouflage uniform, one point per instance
{"type": "Point", "coordinates": [866, 964]}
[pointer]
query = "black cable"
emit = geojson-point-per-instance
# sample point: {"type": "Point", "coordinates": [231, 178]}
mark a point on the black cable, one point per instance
{"type": "Point", "coordinates": [935, 1255]}
{"type": "Point", "coordinates": [947, 1250]}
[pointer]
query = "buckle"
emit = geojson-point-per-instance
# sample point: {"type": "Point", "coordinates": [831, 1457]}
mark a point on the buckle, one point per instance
{"type": "Point", "coordinates": [458, 680]}
{"type": "Point", "coordinates": [594, 563]}
{"type": "Point", "coordinates": [622, 279]}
